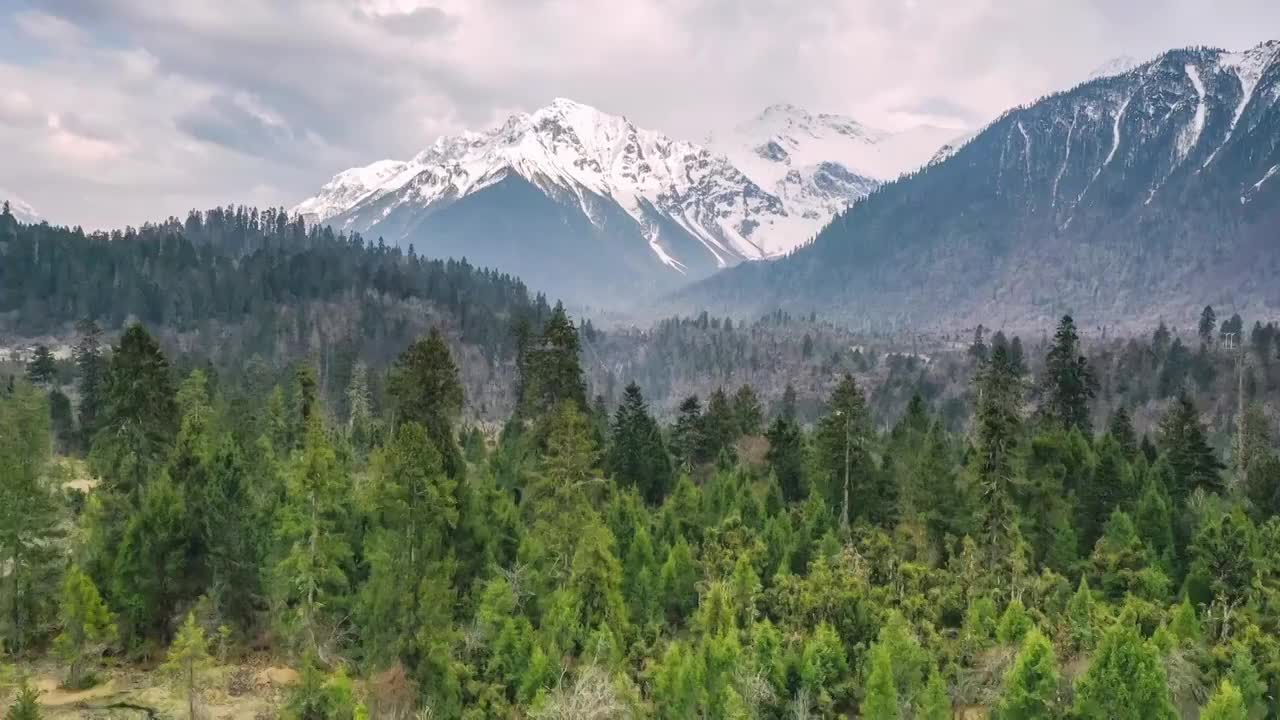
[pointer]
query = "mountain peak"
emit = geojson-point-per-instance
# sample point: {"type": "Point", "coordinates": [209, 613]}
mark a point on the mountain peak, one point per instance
{"type": "Point", "coordinates": [1117, 65]}
{"type": "Point", "coordinates": [20, 208]}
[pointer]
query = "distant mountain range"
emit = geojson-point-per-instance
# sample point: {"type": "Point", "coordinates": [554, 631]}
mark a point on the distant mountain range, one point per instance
{"type": "Point", "coordinates": [21, 209]}
{"type": "Point", "coordinates": [1145, 192]}
{"type": "Point", "coordinates": [589, 207]}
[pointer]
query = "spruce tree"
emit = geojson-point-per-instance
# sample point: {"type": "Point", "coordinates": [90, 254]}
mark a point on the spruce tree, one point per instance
{"type": "Point", "coordinates": [1125, 680]}
{"type": "Point", "coordinates": [786, 457]}
{"type": "Point", "coordinates": [1182, 440]}
{"type": "Point", "coordinates": [881, 699]}
{"type": "Point", "coordinates": [551, 372]}
{"type": "Point", "coordinates": [688, 438]}
{"type": "Point", "coordinates": [414, 510]}
{"type": "Point", "coordinates": [993, 463]}
{"type": "Point", "coordinates": [30, 523]}
{"type": "Point", "coordinates": [424, 389]}
{"type": "Point", "coordinates": [42, 369]}
{"type": "Point", "coordinates": [1069, 384]}
{"type": "Point", "coordinates": [310, 580]}
{"type": "Point", "coordinates": [26, 703]}
{"type": "Point", "coordinates": [747, 412]}
{"type": "Point", "coordinates": [935, 702]}
{"type": "Point", "coordinates": [637, 455]}
{"type": "Point", "coordinates": [139, 417]}
{"type": "Point", "coordinates": [841, 441]}
{"type": "Point", "coordinates": [187, 663]}
{"type": "Point", "coordinates": [1120, 427]}
{"type": "Point", "coordinates": [87, 626]}
{"type": "Point", "coordinates": [1208, 323]}
{"type": "Point", "coordinates": [1031, 686]}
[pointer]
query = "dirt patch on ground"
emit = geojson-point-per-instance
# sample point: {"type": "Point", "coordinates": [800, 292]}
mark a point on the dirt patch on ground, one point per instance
{"type": "Point", "coordinates": [127, 693]}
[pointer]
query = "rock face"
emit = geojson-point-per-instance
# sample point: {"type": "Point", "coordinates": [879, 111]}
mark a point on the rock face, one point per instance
{"type": "Point", "coordinates": [584, 204]}
{"type": "Point", "coordinates": [1133, 196]}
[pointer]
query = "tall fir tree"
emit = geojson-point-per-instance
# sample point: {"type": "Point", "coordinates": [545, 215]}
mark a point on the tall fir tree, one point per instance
{"type": "Point", "coordinates": [842, 442]}
{"type": "Point", "coordinates": [1069, 383]}
{"type": "Point", "coordinates": [993, 463]}
{"type": "Point", "coordinates": [1031, 686]}
{"type": "Point", "coordinates": [1184, 444]}
{"type": "Point", "coordinates": [637, 455]}
{"type": "Point", "coordinates": [139, 419]}
{"type": "Point", "coordinates": [424, 389]}
{"type": "Point", "coordinates": [30, 518]}
{"type": "Point", "coordinates": [1125, 681]}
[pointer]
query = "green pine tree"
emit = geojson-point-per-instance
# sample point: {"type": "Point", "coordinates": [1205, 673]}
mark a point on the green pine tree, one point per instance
{"type": "Point", "coordinates": [187, 662]}
{"type": "Point", "coordinates": [1125, 680]}
{"type": "Point", "coordinates": [1031, 686]}
{"type": "Point", "coordinates": [423, 387]}
{"type": "Point", "coordinates": [881, 699]}
{"type": "Point", "coordinates": [1069, 384]}
{"type": "Point", "coordinates": [26, 703]}
{"type": "Point", "coordinates": [1226, 704]}
{"type": "Point", "coordinates": [87, 627]}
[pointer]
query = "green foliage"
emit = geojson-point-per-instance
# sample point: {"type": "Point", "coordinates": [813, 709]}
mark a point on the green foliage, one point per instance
{"type": "Point", "coordinates": [1226, 704]}
{"type": "Point", "coordinates": [637, 455]}
{"type": "Point", "coordinates": [26, 703]}
{"type": "Point", "coordinates": [574, 570]}
{"type": "Point", "coordinates": [1184, 625]}
{"type": "Point", "coordinates": [29, 523]}
{"type": "Point", "coordinates": [317, 697]}
{"type": "Point", "coordinates": [310, 580]}
{"type": "Point", "coordinates": [935, 703]}
{"type": "Point", "coordinates": [881, 700]}
{"type": "Point", "coordinates": [1125, 680]}
{"type": "Point", "coordinates": [1031, 686]}
{"type": "Point", "coordinates": [1015, 623]}
{"type": "Point", "coordinates": [1069, 384]}
{"type": "Point", "coordinates": [424, 389]}
{"type": "Point", "coordinates": [139, 418]}
{"type": "Point", "coordinates": [87, 627]}
{"type": "Point", "coordinates": [841, 443]}
{"type": "Point", "coordinates": [187, 662]}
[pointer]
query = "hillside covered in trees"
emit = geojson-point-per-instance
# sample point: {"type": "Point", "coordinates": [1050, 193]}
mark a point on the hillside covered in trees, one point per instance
{"type": "Point", "coordinates": [1028, 560]}
{"type": "Point", "coordinates": [230, 284]}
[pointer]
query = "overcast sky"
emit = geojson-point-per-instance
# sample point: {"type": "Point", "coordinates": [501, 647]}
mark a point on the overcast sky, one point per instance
{"type": "Point", "coordinates": [114, 112]}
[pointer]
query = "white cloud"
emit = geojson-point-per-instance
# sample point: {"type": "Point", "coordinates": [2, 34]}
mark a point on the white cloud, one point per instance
{"type": "Point", "coordinates": [162, 107]}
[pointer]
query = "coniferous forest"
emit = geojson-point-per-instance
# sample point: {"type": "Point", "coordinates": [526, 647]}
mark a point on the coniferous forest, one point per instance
{"type": "Point", "coordinates": [1027, 547]}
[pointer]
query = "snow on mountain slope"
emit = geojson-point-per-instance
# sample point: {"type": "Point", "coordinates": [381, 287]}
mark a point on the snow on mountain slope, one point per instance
{"type": "Point", "coordinates": [1126, 197]}
{"type": "Point", "coordinates": [678, 195]}
{"type": "Point", "coordinates": [1118, 65]}
{"type": "Point", "coordinates": [760, 191]}
{"type": "Point", "coordinates": [21, 209]}
{"type": "Point", "coordinates": [785, 137]}
{"type": "Point", "coordinates": [820, 163]}
{"type": "Point", "coordinates": [348, 188]}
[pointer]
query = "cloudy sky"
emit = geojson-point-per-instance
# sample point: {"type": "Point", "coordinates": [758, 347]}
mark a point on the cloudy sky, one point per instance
{"type": "Point", "coordinates": [120, 111]}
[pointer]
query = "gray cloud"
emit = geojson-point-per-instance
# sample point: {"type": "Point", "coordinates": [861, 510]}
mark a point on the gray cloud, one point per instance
{"type": "Point", "coordinates": [159, 107]}
{"type": "Point", "coordinates": [420, 22]}
{"type": "Point", "coordinates": [236, 124]}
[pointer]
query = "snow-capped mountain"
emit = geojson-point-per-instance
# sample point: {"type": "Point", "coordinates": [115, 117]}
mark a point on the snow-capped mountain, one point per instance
{"type": "Point", "coordinates": [785, 137]}
{"type": "Point", "coordinates": [1133, 196]}
{"type": "Point", "coordinates": [1118, 65]}
{"type": "Point", "coordinates": [569, 186]}
{"type": "Point", "coordinates": [819, 163]}
{"type": "Point", "coordinates": [21, 210]}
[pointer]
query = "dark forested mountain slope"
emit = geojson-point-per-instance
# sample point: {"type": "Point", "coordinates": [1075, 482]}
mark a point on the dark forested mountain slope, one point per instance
{"type": "Point", "coordinates": [228, 284]}
{"type": "Point", "coordinates": [1131, 196]}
